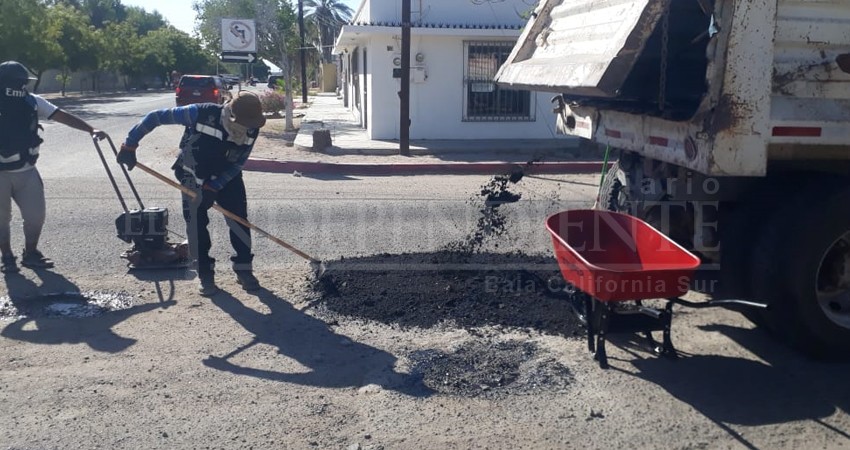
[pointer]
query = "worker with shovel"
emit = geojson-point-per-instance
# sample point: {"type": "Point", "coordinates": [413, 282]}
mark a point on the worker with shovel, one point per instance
{"type": "Point", "coordinates": [215, 144]}
{"type": "Point", "coordinates": [20, 181]}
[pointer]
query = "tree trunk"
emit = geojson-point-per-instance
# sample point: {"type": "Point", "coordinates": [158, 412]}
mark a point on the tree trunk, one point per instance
{"type": "Point", "coordinates": [64, 81]}
{"type": "Point", "coordinates": [38, 75]}
{"type": "Point", "coordinates": [287, 85]}
{"type": "Point", "coordinates": [325, 36]}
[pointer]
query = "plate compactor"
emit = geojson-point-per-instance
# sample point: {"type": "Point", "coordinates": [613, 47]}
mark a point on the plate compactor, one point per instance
{"type": "Point", "coordinates": [145, 228]}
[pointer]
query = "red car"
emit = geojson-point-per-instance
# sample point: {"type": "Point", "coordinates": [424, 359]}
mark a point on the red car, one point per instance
{"type": "Point", "coordinates": [201, 89]}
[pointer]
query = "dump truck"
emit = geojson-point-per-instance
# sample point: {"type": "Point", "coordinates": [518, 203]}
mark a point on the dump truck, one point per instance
{"type": "Point", "coordinates": [729, 125]}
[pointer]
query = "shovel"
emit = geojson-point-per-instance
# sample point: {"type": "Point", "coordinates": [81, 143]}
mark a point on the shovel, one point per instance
{"type": "Point", "coordinates": [318, 267]}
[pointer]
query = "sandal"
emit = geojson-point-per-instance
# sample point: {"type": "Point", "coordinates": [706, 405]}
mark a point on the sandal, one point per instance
{"type": "Point", "coordinates": [8, 265]}
{"type": "Point", "coordinates": [35, 260]}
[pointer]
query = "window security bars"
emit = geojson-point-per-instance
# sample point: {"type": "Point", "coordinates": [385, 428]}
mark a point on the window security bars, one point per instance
{"type": "Point", "coordinates": [483, 100]}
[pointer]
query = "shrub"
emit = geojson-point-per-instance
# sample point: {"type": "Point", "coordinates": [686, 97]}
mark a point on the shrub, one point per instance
{"type": "Point", "coordinates": [273, 101]}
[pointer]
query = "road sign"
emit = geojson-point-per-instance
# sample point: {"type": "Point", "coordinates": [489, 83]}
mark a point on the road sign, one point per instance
{"type": "Point", "coordinates": [238, 57]}
{"type": "Point", "coordinates": [238, 35]}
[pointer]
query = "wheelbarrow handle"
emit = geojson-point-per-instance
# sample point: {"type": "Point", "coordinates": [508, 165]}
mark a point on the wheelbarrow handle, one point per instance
{"type": "Point", "coordinates": [227, 213]}
{"type": "Point", "coordinates": [715, 303]}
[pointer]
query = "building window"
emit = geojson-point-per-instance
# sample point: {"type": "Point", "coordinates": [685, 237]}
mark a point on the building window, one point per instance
{"type": "Point", "coordinates": [483, 100]}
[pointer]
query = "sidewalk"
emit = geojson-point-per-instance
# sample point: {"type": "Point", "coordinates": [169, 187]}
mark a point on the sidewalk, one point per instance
{"type": "Point", "coordinates": [353, 153]}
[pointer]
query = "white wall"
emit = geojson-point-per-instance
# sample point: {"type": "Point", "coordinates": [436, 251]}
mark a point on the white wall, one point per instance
{"type": "Point", "coordinates": [436, 106]}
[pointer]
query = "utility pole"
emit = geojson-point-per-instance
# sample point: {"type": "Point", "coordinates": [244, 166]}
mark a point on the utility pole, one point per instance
{"type": "Point", "coordinates": [302, 52]}
{"type": "Point", "coordinates": [404, 125]}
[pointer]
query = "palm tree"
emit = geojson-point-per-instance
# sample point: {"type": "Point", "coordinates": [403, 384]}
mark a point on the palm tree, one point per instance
{"type": "Point", "coordinates": [329, 16]}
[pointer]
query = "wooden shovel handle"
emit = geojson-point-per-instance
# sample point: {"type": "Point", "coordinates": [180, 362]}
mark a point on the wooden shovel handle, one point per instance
{"type": "Point", "coordinates": [226, 213]}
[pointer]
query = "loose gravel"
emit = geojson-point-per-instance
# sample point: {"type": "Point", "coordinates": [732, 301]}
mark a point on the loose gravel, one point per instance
{"type": "Point", "coordinates": [65, 305]}
{"type": "Point", "coordinates": [490, 369]}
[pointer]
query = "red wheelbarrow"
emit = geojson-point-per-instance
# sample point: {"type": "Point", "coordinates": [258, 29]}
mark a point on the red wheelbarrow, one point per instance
{"type": "Point", "coordinates": [611, 258]}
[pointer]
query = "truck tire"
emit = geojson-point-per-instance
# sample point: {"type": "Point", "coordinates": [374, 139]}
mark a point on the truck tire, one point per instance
{"type": "Point", "coordinates": [613, 194]}
{"type": "Point", "coordinates": [801, 267]}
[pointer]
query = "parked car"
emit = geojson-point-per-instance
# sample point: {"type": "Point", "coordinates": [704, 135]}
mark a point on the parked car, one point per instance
{"type": "Point", "coordinates": [201, 89]}
{"type": "Point", "coordinates": [231, 80]}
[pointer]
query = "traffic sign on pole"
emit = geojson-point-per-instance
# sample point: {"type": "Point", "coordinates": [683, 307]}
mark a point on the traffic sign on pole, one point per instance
{"type": "Point", "coordinates": [238, 57]}
{"type": "Point", "coordinates": [238, 35]}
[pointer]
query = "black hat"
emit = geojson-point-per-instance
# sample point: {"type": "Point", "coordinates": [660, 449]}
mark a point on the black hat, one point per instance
{"type": "Point", "coordinates": [13, 72]}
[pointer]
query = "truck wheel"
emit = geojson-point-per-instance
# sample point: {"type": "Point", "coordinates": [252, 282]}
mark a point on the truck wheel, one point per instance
{"type": "Point", "coordinates": [802, 268]}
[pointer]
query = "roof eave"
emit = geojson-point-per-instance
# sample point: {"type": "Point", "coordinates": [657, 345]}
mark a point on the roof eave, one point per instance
{"type": "Point", "coordinates": [352, 35]}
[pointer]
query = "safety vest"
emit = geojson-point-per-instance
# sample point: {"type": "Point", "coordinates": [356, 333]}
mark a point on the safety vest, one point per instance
{"type": "Point", "coordinates": [19, 139]}
{"type": "Point", "coordinates": [204, 149]}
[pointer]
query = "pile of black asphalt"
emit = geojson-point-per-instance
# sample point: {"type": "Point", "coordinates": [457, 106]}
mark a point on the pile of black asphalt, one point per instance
{"type": "Point", "coordinates": [462, 285]}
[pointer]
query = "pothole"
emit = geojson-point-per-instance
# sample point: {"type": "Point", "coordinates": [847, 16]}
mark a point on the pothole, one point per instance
{"type": "Point", "coordinates": [65, 304]}
{"type": "Point", "coordinates": [456, 289]}
{"type": "Point", "coordinates": [480, 368]}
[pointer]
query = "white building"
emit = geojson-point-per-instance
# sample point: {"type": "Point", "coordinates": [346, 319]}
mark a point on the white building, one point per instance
{"type": "Point", "coordinates": [456, 48]}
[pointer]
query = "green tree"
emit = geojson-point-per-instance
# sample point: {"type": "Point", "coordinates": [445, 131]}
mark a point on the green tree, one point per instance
{"type": "Point", "coordinates": [121, 51]}
{"type": "Point", "coordinates": [189, 55]}
{"type": "Point", "coordinates": [24, 37]}
{"type": "Point", "coordinates": [328, 16]}
{"type": "Point", "coordinates": [168, 49]}
{"type": "Point", "coordinates": [143, 21]}
{"type": "Point", "coordinates": [101, 12]}
{"type": "Point", "coordinates": [157, 56]}
{"type": "Point", "coordinates": [75, 35]}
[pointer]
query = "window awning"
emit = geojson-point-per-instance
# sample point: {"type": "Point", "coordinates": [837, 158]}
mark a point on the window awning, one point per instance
{"type": "Point", "coordinates": [581, 47]}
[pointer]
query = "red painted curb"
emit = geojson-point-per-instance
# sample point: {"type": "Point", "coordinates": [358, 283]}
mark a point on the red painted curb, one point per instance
{"type": "Point", "coordinates": [484, 168]}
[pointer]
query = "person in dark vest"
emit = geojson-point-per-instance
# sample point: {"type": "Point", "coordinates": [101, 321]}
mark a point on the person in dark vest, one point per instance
{"type": "Point", "coordinates": [215, 144]}
{"type": "Point", "coordinates": [20, 181]}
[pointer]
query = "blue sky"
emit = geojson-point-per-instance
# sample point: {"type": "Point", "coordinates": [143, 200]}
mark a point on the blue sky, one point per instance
{"type": "Point", "coordinates": [180, 13]}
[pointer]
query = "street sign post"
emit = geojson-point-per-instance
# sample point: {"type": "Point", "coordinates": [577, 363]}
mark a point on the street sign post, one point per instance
{"type": "Point", "coordinates": [238, 57]}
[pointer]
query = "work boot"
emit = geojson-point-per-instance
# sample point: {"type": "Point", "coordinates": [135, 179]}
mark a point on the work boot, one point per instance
{"type": "Point", "coordinates": [247, 280]}
{"type": "Point", "coordinates": [206, 284]}
{"type": "Point", "coordinates": [35, 260]}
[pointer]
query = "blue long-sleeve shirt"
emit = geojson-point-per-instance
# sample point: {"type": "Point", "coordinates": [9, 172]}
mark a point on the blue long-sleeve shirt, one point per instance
{"type": "Point", "coordinates": [188, 117]}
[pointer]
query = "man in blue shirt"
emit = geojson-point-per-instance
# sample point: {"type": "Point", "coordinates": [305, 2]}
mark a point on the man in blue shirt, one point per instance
{"type": "Point", "coordinates": [215, 145]}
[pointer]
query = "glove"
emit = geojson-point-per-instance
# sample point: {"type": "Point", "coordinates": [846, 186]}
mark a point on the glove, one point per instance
{"type": "Point", "coordinates": [127, 156]}
{"type": "Point", "coordinates": [208, 196]}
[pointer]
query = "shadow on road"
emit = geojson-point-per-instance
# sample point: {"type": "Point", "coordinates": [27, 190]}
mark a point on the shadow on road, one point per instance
{"type": "Point", "coordinates": [38, 327]}
{"type": "Point", "coordinates": [779, 386]}
{"type": "Point", "coordinates": [102, 98]}
{"type": "Point", "coordinates": [90, 107]}
{"type": "Point", "coordinates": [334, 360]}
{"type": "Point", "coordinates": [163, 280]}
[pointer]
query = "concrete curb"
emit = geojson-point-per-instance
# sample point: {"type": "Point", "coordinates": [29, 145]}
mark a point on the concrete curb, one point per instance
{"type": "Point", "coordinates": [366, 169]}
